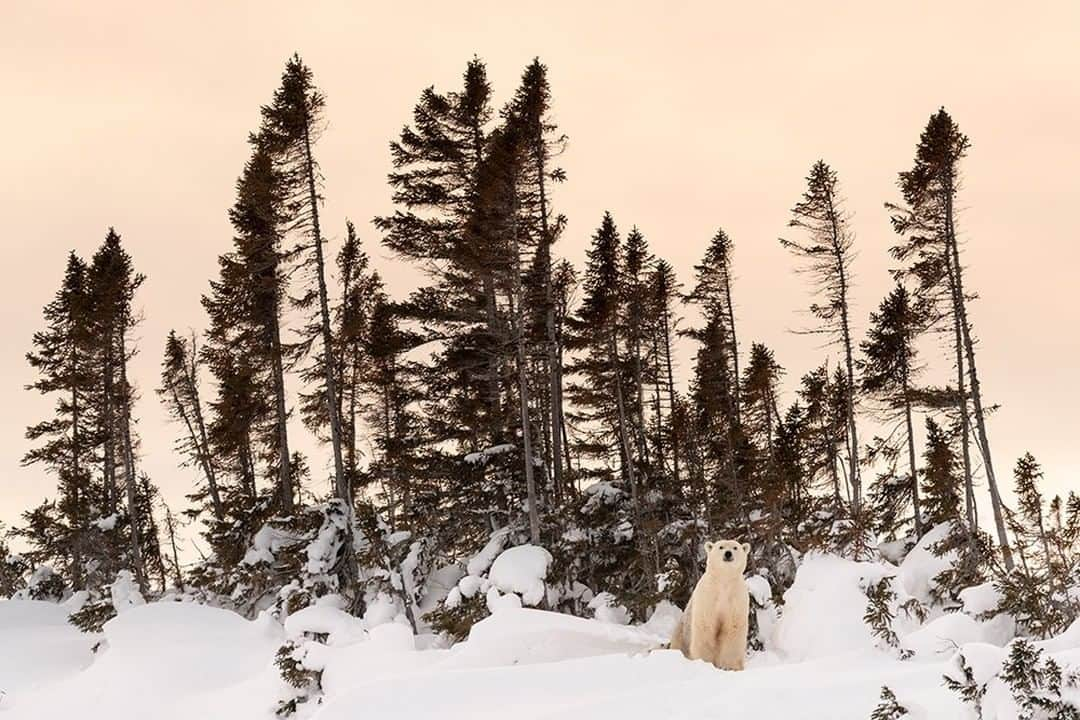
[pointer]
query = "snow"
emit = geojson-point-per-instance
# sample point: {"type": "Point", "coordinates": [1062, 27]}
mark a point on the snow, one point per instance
{"type": "Point", "coordinates": [980, 599]}
{"type": "Point", "coordinates": [125, 592]}
{"type": "Point", "coordinates": [180, 660]}
{"type": "Point", "coordinates": [941, 637]}
{"type": "Point", "coordinates": [921, 566]}
{"type": "Point", "coordinates": [607, 609]}
{"type": "Point", "coordinates": [823, 609]}
{"type": "Point", "coordinates": [483, 559]}
{"type": "Point", "coordinates": [522, 570]}
{"type": "Point", "coordinates": [106, 524]}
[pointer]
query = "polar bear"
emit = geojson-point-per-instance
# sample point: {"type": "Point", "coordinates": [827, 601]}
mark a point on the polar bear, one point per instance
{"type": "Point", "coordinates": [713, 626]}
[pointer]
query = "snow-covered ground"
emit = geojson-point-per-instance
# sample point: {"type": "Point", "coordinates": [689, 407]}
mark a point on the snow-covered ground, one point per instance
{"type": "Point", "coordinates": [174, 660]}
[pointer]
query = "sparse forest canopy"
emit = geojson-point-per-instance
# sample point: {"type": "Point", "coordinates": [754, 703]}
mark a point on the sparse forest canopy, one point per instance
{"type": "Point", "coordinates": [514, 399]}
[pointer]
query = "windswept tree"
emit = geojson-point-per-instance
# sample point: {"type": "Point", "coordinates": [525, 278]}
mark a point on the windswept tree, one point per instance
{"type": "Point", "coordinates": [179, 391]}
{"type": "Point", "coordinates": [292, 124]}
{"type": "Point", "coordinates": [889, 367]}
{"type": "Point", "coordinates": [245, 350]}
{"type": "Point", "coordinates": [828, 253]}
{"type": "Point", "coordinates": [714, 292]}
{"type": "Point", "coordinates": [931, 252]}
{"type": "Point", "coordinates": [530, 114]}
{"type": "Point", "coordinates": [113, 283]}
{"type": "Point", "coordinates": [439, 225]}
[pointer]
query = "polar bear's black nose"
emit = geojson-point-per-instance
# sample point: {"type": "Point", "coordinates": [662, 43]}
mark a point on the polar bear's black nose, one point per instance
{"type": "Point", "coordinates": [727, 555]}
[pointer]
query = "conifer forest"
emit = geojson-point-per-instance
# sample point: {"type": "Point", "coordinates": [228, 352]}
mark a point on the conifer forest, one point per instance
{"type": "Point", "coordinates": [521, 459]}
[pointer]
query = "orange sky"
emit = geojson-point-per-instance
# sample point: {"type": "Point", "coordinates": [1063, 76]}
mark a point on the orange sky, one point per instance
{"type": "Point", "coordinates": [681, 117]}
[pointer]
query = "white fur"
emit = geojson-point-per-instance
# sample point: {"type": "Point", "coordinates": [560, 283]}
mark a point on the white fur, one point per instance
{"type": "Point", "coordinates": [713, 626]}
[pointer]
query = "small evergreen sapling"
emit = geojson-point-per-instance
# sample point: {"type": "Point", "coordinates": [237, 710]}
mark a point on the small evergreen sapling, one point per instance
{"type": "Point", "coordinates": [889, 708]}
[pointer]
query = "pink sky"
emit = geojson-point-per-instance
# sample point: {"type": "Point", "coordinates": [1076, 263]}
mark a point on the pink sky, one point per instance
{"type": "Point", "coordinates": [682, 117]}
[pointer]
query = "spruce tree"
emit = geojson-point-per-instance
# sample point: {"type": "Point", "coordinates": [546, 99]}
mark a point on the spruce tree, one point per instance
{"type": "Point", "coordinates": [889, 367]}
{"type": "Point", "coordinates": [439, 225]}
{"type": "Point", "coordinates": [828, 256]}
{"type": "Point", "coordinates": [113, 283]}
{"type": "Point", "coordinates": [662, 292]}
{"type": "Point", "coordinates": [941, 481]}
{"type": "Point", "coordinates": [62, 358]}
{"type": "Point", "coordinates": [292, 124]}
{"type": "Point", "coordinates": [245, 307]}
{"type": "Point", "coordinates": [540, 142]}
{"type": "Point", "coordinates": [599, 393]}
{"type": "Point", "coordinates": [928, 222]}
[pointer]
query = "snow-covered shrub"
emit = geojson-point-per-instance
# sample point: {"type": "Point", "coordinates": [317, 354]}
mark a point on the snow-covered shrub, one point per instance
{"type": "Point", "coordinates": [1021, 682]}
{"type": "Point", "coordinates": [882, 608]}
{"type": "Point", "coordinates": [763, 612]}
{"type": "Point", "coordinates": [44, 583]}
{"type": "Point", "coordinates": [122, 595]}
{"type": "Point", "coordinates": [495, 578]}
{"type": "Point", "coordinates": [303, 681]}
{"type": "Point", "coordinates": [14, 571]}
{"type": "Point", "coordinates": [888, 708]}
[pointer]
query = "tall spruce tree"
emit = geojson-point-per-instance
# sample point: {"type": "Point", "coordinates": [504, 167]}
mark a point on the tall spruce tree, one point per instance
{"type": "Point", "coordinates": [245, 350]}
{"type": "Point", "coordinates": [113, 283]}
{"type": "Point", "coordinates": [292, 124]}
{"type": "Point", "coordinates": [932, 250]}
{"type": "Point", "coordinates": [439, 226]}
{"type": "Point", "coordinates": [62, 357]}
{"type": "Point", "coordinates": [828, 255]}
{"type": "Point", "coordinates": [601, 373]}
{"type": "Point", "coordinates": [540, 142]}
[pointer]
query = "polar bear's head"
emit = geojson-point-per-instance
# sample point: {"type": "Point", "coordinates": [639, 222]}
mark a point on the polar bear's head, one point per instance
{"type": "Point", "coordinates": [726, 557]}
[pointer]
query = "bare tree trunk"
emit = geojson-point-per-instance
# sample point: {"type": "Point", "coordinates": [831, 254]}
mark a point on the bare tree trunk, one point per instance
{"type": "Point", "coordinates": [845, 328]}
{"type": "Point", "coordinates": [628, 463]}
{"type": "Point", "coordinates": [342, 485]}
{"type": "Point", "coordinates": [170, 526]}
{"type": "Point", "coordinates": [912, 468]}
{"type": "Point", "coordinates": [961, 389]}
{"type": "Point", "coordinates": [734, 343]}
{"type": "Point", "coordinates": [109, 421]}
{"type": "Point", "coordinates": [523, 382]}
{"type": "Point", "coordinates": [671, 395]}
{"type": "Point", "coordinates": [129, 466]}
{"type": "Point", "coordinates": [76, 475]}
{"type": "Point", "coordinates": [976, 393]}
{"type": "Point", "coordinates": [286, 491]}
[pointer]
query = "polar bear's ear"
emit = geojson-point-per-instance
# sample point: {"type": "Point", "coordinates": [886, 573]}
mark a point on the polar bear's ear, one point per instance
{"type": "Point", "coordinates": [709, 546]}
{"type": "Point", "coordinates": [746, 548]}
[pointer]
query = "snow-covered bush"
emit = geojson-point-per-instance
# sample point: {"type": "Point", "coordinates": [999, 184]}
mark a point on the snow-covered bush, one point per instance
{"type": "Point", "coordinates": [1021, 682]}
{"type": "Point", "coordinates": [497, 577]}
{"type": "Point", "coordinates": [122, 595]}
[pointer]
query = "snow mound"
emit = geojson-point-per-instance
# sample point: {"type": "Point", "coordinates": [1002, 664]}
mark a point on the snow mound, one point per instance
{"type": "Point", "coordinates": [980, 599]}
{"type": "Point", "coordinates": [525, 636]}
{"type": "Point", "coordinates": [39, 645]}
{"type": "Point", "coordinates": [940, 638]}
{"type": "Point", "coordinates": [522, 570]}
{"type": "Point", "coordinates": [823, 609]}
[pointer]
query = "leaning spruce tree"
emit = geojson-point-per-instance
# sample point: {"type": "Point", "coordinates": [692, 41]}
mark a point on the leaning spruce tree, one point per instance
{"type": "Point", "coordinates": [931, 252]}
{"type": "Point", "coordinates": [828, 254]}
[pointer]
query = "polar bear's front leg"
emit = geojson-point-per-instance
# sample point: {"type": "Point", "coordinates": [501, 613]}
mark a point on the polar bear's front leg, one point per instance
{"type": "Point", "coordinates": [731, 648]}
